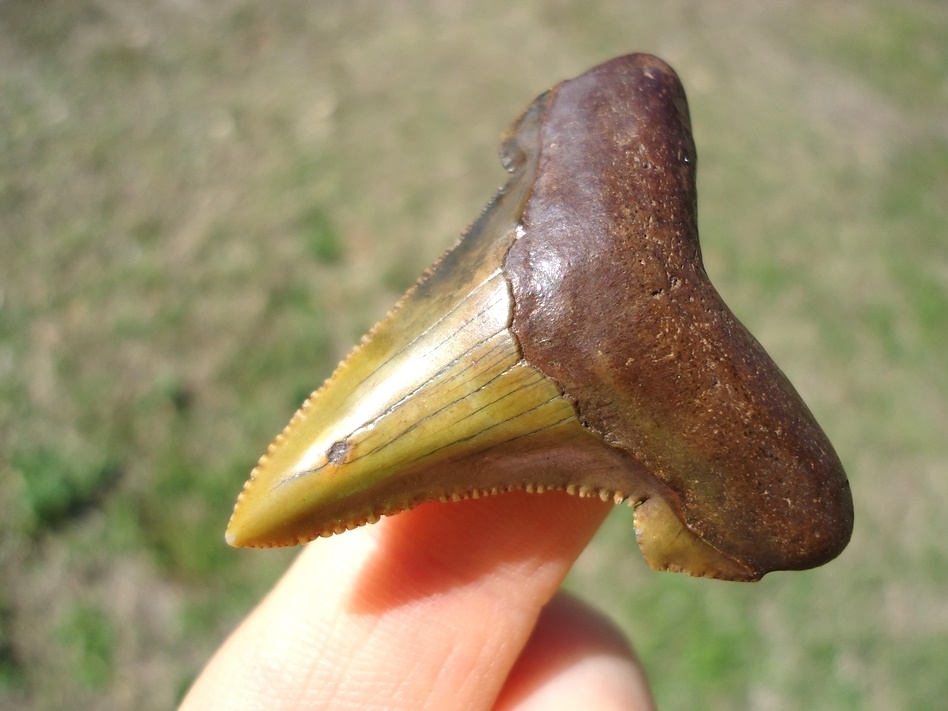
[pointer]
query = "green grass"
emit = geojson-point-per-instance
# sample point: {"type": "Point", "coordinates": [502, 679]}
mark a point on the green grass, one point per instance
{"type": "Point", "coordinates": [203, 206]}
{"type": "Point", "coordinates": [89, 640]}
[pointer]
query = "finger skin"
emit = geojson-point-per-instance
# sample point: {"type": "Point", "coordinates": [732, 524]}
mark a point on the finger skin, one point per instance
{"type": "Point", "coordinates": [426, 610]}
{"type": "Point", "coordinates": [576, 659]}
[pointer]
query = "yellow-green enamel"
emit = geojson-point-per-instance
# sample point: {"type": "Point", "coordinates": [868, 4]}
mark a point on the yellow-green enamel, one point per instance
{"type": "Point", "coordinates": [428, 388]}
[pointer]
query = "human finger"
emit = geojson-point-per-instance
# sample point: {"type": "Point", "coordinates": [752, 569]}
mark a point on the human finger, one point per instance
{"type": "Point", "coordinates": [426, 610]}
{"type": "Point", "coordinates": [576, 659]}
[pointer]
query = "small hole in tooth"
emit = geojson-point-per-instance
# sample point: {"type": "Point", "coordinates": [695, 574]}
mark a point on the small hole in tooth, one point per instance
{"type": "Point", "coordinates": [338, 451]}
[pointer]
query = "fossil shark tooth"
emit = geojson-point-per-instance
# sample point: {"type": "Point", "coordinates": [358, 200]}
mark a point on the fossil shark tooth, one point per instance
{"type": "Point", "coordinates": [571, 340]}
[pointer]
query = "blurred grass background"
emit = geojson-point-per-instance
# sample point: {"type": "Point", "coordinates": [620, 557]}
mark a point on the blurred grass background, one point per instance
{"type": "Point", "coordinates": [204, 204]}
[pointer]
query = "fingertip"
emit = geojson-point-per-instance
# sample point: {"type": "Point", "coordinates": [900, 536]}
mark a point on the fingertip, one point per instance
{"type": "Point", "coordinates": [598, 682]}
{"type": "Point", "coordinates": [576, 658]}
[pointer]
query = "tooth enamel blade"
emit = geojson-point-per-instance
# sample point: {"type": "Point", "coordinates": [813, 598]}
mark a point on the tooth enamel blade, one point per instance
{"type": "Point", "coordinates": [438, 381]}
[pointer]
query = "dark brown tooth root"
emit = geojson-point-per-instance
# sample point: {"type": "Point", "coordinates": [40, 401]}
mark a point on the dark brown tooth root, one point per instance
{"type": "Point", "coordinates": [675, 382]}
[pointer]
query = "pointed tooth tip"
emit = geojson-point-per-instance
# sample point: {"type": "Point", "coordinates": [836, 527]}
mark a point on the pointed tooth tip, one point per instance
{"type": "Point", "coordinates": [232, 539]}
{"type": "Point", "coordinates": [237, 539]}
{"type": "Point", "coordinates": [236, 534]}
{"type": "Point", "coordinates": [248, 527]}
